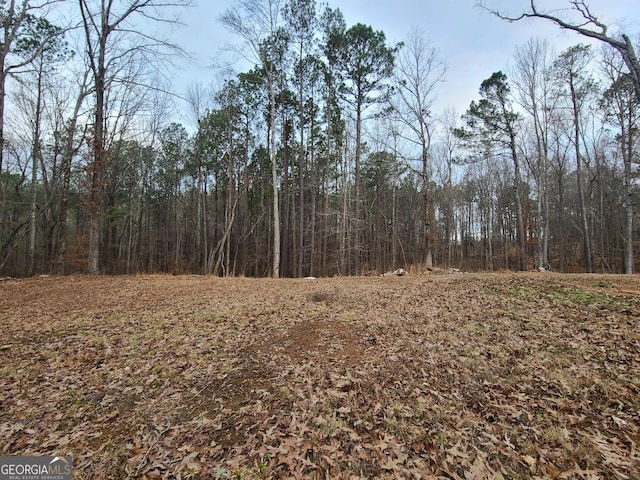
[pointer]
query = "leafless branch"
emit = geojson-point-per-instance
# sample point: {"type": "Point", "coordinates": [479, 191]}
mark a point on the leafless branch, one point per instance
{"type": "Point", "coordinates": [591, 27]}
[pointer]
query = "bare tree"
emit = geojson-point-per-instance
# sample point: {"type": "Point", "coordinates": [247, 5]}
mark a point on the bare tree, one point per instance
{"type": "Point", "coordinates": [32, 98]}
{"type": "Point", "coordinates": [447, 149]}
{"type": "Point", "coordinates": [535, 87]}
{"type": "Point", "coordinates": [111, 39]}
{"type": "Point", "coordinates": [572, 70]}
{"type": "Point", "coordinates": [18, 20]}
{"type": "Point", "coordinates": [200, 98]}
{"type": "Point", "coordinates": [70, 148]}
{"type": "Point", "coordinates": [419, 70]}
{"type": "Point", "coordinates": [20, 44]}
{"type": "Point", "coordinates": [622, 110]}
{"type": "Point", "coordinates": [589, 25]}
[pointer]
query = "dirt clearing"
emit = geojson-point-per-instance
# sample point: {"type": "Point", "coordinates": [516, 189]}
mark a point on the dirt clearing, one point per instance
{"type": "Point", "coordinates": [471, 376]}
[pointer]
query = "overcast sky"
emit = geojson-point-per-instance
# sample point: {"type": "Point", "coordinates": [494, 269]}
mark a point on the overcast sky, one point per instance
{"type": "Point", "coordinates": [473, 43]}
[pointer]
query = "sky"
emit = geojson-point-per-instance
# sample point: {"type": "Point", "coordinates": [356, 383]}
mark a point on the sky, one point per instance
{"type": "Point", "coordinates": [473, 43]}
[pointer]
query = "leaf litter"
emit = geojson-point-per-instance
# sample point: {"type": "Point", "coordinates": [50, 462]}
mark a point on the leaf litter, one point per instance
{"type": "Point", "coordinates": [471, 377]}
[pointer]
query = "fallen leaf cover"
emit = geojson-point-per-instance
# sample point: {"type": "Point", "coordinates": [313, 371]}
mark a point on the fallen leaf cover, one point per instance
{"type": "Point", "coordinates": [475, 376]}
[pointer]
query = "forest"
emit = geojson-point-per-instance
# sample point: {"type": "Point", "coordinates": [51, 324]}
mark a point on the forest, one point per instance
{"type": "Point", "coordinates": [325, 158]}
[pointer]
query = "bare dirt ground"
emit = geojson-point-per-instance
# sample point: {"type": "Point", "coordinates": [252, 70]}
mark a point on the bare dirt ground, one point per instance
{"type": "Point", "coordinates": [474, 376]}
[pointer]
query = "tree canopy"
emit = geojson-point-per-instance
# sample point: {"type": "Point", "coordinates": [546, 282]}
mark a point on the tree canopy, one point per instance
{"type": "Point", "coordinates": [327, 155]}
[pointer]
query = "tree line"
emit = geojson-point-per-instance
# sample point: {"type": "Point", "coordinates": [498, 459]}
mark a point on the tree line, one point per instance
{"type": "Point", "coordinates": [325, 157]}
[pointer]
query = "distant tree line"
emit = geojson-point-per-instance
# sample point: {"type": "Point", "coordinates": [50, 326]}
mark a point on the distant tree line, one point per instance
{"type": "Point", "coordinates": [324, 158]}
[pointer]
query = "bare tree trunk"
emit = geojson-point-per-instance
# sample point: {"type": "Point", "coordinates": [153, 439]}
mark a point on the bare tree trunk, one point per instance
{"type": "Point", "coordinates": [245, 204]}
{"type": "Point", "coordinates": [314, 199]}
{"type": "Point", "coordinates": [98, 66]}
{"type": "Point", "coordinates": [100, 25]}
{"type": "Point", "coordinates": [394, 234]}
{"type": "Point", "coordinates": [274, 180]}
{"type": "Point", "coordinates": [325, 196]}
{"type": "Point", "coordinates": [204, 212]}
{"type": "Point", "coordinates": [35, 159]}
{"type": "Point", "coordinates": [229, 219]}
{"type": "Point", "coordinates": [490, 239]}
{"type": "Point", "coordinates": [356, 194]}
{"type": "Point", "coordinates": [312, 247]}
{"type": "Point", "coordinates": [301, 170]}
{"type": "Point", "coordinates": [69, 151]}
{"type": "Point", "coordinates": [450, 224]}
{"type": "Point", "coordinates": [429, 221]}
{"type": "Point", "coordinates": [95, 195]}
{"type": "Point", "coordinates": [562, 258]}
{"type": "Point", "coordinates": [522, 252]}
{"type": "Point", "coordinates": [586, 235]}
{"type": "Point", "coordinates": [325, 228]}
{"type": "Point", "coordinates": [547, 227]}
{"type": "Point", "coordinates": [198, 237]}
{"type": "Point", "coordinates": [519, 211]}
{"type": "Point", "coordinates": [429, 210]}
{"type": "Point", "coordinates": [343, 257]}
{"type": "Point", "coordinates": [286, 204]}
{"type": "Point", "coordinates": [627, 149]}
{"type": "Point", "coordinates": [3, 54]}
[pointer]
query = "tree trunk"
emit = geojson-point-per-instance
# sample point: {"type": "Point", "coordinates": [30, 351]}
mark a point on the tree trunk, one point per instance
{"type": "Point", "coordinates": [274, 180]}
{"type": "Point", "coordinates": [562, 256]}
{"type": "Point", "coordinates": [522, 244]}
{"type": "Point", "coordinates": [229, 218]}
{"type": "Point", "coordinates": [343, 258]}
{"type": "Point", "coordinates": [586, 241]}
{"type": "Point", "coordinates": [356, 191]}
{"type": "Point", "coordinates": [35, 158]}
{"type": "Point", "coordinates": [314, 198]}
{"type": "Point", "coordinates": [99, 145]}
{"type": "Point", "coordinates": [429, 220]}
{"type": "Point", "coordinates": [449, 224]}
{"type": "Point", "coordinates": [95, 195]}
{"type": "Point", "coordinates": [69, 152]}
{"type": "Point", "coordinates": [286, 204]}
{"type": "Point", "coordinates": [4, 74]}
{"type": "Point", "coordinates": [301, 169]}
{"type": "Point", "coordinates": [245, 204]}
{"type": "Point", "coordinates": [3, 77]}
{"type": "Point", "coordinates": [627, 155]}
